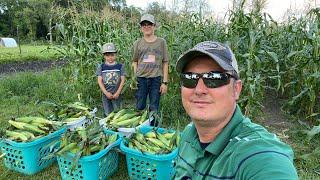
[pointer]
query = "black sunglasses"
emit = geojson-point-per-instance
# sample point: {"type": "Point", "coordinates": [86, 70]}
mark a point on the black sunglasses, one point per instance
{"type": "Point", "coordinates": [213, 79]}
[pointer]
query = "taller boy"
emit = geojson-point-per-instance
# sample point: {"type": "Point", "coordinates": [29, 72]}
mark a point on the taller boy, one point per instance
{"type": "Point", "coordinates": [150, 65]}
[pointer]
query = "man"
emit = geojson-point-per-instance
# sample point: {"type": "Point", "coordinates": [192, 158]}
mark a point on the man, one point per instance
{"type": "Point", "coordinates": [221, 143]}
{"type": "Point", "coordinates": [150, 65]}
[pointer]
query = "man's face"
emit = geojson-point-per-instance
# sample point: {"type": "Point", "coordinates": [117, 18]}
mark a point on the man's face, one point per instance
{"type": "Point", "coordinates": [209, 106]}
{"type": "Point", "coordinates": [147, 28]}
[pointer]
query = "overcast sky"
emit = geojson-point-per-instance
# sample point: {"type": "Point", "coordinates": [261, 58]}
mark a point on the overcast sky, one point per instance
{"type": "Point", "coordinates": [276, 8]}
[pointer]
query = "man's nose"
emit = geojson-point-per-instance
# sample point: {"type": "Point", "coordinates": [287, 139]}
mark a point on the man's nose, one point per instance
{"type": "Point", "coordinates": [201, 87]}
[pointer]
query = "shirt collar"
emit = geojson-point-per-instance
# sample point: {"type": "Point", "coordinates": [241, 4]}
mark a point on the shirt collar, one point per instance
{"type": "Point", "coordinates": [222, 139]}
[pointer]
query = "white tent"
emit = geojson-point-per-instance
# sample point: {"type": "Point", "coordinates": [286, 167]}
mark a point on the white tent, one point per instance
{"type": "Point", "coordinates": [8, 42]}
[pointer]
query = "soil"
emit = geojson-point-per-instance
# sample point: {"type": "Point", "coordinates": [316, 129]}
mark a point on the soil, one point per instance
{"type": "Point", "coordinates": [273, 119]}
{"type": "Point", "coordinates": [34, 66]}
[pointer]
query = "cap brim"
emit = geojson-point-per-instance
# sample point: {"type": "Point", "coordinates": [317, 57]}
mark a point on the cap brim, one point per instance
{"type": "Point", "coordinates": [109, 52]}
{"type": "Point", "coordinates": [192, 53]}
{"type": "Point", "coordinates": [147, 21]}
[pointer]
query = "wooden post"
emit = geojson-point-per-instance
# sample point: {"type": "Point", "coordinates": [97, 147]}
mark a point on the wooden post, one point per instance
{"type": "Point", "coordinates": [18, 39]}
{"type": "Point", "coordinates": [50, 30]}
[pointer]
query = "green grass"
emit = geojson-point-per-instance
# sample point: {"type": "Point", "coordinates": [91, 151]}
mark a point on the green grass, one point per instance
{"type": "Point", "coordinates": [21, 94]}
{"type": "Point", "coordinates": [28, 53]}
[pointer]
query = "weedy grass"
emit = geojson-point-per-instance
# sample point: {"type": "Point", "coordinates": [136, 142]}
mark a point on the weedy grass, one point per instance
{"type": "Point", "coordinates": [306, 151]}
{"type": "Point", "coordinates": [28, 53]}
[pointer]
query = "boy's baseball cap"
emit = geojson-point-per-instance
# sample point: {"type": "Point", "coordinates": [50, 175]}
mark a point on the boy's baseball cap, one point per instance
{"type": "Point", "coordinates": [108, 48]}
{"type": "Point", "coordinates": [219, 52]}
{"type": "Point", "coordinates": [147, 17]}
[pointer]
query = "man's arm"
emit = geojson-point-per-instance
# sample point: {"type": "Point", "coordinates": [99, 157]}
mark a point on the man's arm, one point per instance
{"type": "Point", "coordinates": [269, 165]}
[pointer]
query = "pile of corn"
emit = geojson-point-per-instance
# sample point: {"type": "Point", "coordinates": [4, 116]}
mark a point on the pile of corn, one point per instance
{"type": "Point", "coordinates": [25, 129]}
{"type": "Point", "coordinates": [70, 112]}
{"type": "Point", "coordinates": [85, 141]}
{"type": "Point", "coordinates": [154, 142]}
{"type": "Point", "coordinates": [126, 118]}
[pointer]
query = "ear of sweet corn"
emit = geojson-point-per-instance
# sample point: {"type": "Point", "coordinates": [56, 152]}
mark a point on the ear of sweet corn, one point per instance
{"type": "Point", "coordinates": [154, 142]}
{"type": "Point", "coordinates": [125, 118]}
{"type": "Point", "coordinates": [25, 129]}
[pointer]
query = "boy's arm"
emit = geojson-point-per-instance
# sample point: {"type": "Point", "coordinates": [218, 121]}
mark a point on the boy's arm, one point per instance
{"type": "Point", "coordinates": [165, 71]}
{"type": "Point", "coordinates": [134, 66]}
{"type": "Point", "coordinates": [135, 57]}
{"type": "Point", "coordinates": [116, 95]}
{"type": "Point", "coordinates": [103, 89]}
{"type": "Point", "coordinates": [165, 64]}
{"type": "Point", "coordinates": [164, 84]}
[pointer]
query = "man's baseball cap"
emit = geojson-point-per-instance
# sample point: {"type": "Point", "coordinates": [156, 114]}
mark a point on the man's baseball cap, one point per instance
{"type": "Point", "coordinates": [219, 52]}
{"type": "Point", "coordinates": [108, 48]}
{"type": "Point", "coordinates": [147, 17]}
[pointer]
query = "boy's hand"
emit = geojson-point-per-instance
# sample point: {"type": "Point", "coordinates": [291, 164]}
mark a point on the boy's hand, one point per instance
{"type": "Point", "coordinates": [134, 82]}
{"type": "Point", "coordinates": [163, 89]}
{"type": "Point", "coordinates": [116, 95]}
{"type": "Point", "coordinates": [109, 95]}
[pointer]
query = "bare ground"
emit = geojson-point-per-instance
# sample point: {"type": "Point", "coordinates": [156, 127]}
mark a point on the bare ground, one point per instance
{"type": "Point", "coordinates": [274, 118]}
{"type": "Point", "coordinates": [34, 66]}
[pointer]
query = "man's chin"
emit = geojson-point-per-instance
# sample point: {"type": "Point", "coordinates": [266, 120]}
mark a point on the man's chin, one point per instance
{"type": "Point", "coordinates": [199, 117]}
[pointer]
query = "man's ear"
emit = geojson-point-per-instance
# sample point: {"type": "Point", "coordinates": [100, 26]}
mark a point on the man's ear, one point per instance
{"type": "Point", "coordinates": [237, 87]}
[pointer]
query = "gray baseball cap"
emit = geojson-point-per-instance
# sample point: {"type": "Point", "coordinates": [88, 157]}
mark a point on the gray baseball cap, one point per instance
{"type": "Point", "coordinates": [219, 52]}
{"type": "Point", "coordinates": [108, 48]}
{"type": "Point", "coordinates": [147, 17]}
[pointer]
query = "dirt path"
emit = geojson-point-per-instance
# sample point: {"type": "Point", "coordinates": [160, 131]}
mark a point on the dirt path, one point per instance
{"type": "Point", "coordinates": [34, 66]}
{"type": "Point", "coordinates": [274, 119]}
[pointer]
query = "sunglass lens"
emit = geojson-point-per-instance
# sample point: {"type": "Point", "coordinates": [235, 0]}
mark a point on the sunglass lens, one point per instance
{"type": "Point", "coordinates": [216, 79]}
{"type": "Point", "coordinates": [215, 83]}
{"type": "Point", "coordinates": [188, 82]}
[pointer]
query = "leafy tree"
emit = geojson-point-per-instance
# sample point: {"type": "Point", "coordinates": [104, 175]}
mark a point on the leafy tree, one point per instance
{"type": "Point", "coordinates": [94, 4]}
{"type": "Point", "coordinates": [34, 17]}
{"type": "Point", "coordinates": [8, 14]}
{"type": "Point", "coordinates": [131, 11]}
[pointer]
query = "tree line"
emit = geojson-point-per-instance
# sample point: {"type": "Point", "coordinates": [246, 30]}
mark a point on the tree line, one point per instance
{"type": "Point", "coordinates": [35, 19]}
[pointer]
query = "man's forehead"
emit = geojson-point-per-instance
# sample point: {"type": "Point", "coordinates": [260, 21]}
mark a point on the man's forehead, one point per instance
{"type": "Point", "coordinates": [203, 61]}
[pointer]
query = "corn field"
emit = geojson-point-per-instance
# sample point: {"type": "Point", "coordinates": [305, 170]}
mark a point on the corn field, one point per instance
{"type": "Point", "coordinates": [279, 57]}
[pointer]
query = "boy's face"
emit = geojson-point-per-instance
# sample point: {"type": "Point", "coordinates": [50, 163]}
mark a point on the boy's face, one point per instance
{"type": "Point", "coordinates": [109, 57]}
{"type": "Point", "coordinates": [147, 28]}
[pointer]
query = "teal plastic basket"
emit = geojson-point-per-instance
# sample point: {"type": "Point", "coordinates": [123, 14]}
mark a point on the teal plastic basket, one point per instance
{"type": "Point", "coordinates": [30, 157]}
{"type": "Point", "coordinates": [98, 166]}
{"type": "Point", "coordinates": [149, 166]}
